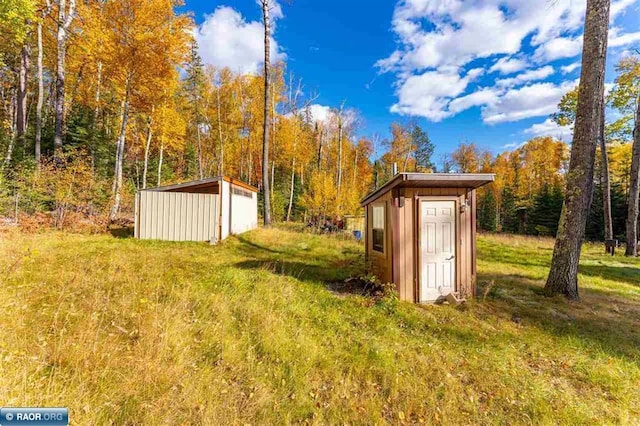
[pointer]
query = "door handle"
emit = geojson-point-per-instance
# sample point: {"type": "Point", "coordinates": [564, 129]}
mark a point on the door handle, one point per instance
{"type": "Point", "coordinates": [451, 258]}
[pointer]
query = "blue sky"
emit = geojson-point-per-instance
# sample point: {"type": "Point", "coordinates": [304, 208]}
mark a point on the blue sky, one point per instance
{"type": "Point", "coordinates": [488, 72]}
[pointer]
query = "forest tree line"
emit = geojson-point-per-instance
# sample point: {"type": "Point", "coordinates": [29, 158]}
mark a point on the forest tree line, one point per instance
{"type": "Point", "coordinates": [101, 99]}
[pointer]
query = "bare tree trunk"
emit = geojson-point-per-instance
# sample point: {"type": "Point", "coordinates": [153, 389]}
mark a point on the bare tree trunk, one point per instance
{"type": "Point", "coordinates": [293, 182]}
{"type": "Point", "coordinates": [266, 5]}
{"type": "Point", "coordinates": [117, 178]}
{"type": "Point", "coordinates": [160, 162]}
{"type": "Point", "coordinates": [38, 149]}
{"type": "Point", "coordinates": [21, 110]}
{"type": "Point", "coordinates": [606, 179]}
{"type": "Point", "coordinates": [40, 72]}
{"type": "Point", "coordinates": [12, 137]}
{"type": "Point", "coordinates": [65, 17]}
{"type": "Point", "coordinates": [634, 188]}
{"type": "Point", "coordinates": [320, 143]}
{"type": "Point", "coordinates": [355, 169]}
{"type": "Point", "coordinates": [96, 114]}
{"type": "Point", "coordinates": [339, 153]}
{"type": "Point", "coordinates": [147, 147]}
{"type": "Point", "coordinates": [340, 130]}
{"type": "Point", "coordinates": [220, 139]}
{"type": "Point", "coordinates": [273, 177]}
{"type": "Point", "coordinates": [563, 276]}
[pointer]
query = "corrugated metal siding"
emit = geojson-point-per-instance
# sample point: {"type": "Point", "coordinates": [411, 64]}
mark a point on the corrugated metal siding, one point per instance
{"type": "Point", "coordinates": [177, 216]}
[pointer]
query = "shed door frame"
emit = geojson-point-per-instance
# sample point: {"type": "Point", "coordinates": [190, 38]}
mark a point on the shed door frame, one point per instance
{"type": "Point", "coordinates": [418, 242]}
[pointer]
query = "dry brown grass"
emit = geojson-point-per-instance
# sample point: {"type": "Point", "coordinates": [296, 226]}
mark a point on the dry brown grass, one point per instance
{"type": "Point", "coordinates": [129, 332]}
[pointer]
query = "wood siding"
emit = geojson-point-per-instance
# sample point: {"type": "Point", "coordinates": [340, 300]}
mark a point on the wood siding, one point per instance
{"type": "Point", "coordinates": [399, 264]}
{"type": "Point", "coordinates": [380, 263]}
{"type": "Point", "coordinates": [176, 216]}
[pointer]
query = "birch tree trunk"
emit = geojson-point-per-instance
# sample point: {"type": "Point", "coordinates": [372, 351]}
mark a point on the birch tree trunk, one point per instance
{"type": "Point", "coordinates": [117, 178]}
{"type": "Point", "coordinates": [293, 182]}
{"type": "Point", "coordinates": [563, 276]}
{"type": "Point", "coordinates": [160, 162]}
{"type": "Point", "coordinates": [96, 114]}
{"type": "Point", "coordinates": [340, 124]}
{"type": "Point", "coordinates": [220, 139]}
{"type": "Point", "coordinates": [21, 106]}
{"type": "Point", "coordinates": [40, 72]}
{"type": "Point", "coordinates": [147, 147]}
{"type": "Point", "coordinates": [12, 136]}
{"type": "Point", "coordinates": [40, 76]}
{"type": "Point", "coordinates": [266, 5]}
{"type": "Point", "coordinates": [200, 162]}
{"type": "Point", "coordinates": [320, 142]}
{"type": "Point", "coordinates": [634, 188]}
{"type": "Point", "coordinates": [65, 17]}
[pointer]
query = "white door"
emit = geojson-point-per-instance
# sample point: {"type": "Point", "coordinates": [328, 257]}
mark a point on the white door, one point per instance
{"type": "Point", "coordinates": [437, 249]}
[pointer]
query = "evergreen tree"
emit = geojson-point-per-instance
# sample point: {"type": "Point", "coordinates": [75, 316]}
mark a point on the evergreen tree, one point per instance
{"type": "Point", "coordinates": [544, 216]}
{"type": "Point", "coordinates": [423, 149]}
{"type": "Point", "coordinates": [195, 87]}
{"type": "Point", "coordinates": [509, 214]}
{"type": "Point", "coordinates": [487, 220]}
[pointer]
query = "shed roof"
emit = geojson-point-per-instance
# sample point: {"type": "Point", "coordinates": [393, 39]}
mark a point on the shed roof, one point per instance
{"type": "Point", "coordinates": [203, 183]}
{"type": "Point", "coordinates": [431, 180]}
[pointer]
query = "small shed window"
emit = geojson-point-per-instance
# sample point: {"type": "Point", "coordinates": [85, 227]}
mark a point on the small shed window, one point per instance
{"type": "Point", "coordinates": [242, 192]}
{"type": "Point", "coordinates": [378, 228]}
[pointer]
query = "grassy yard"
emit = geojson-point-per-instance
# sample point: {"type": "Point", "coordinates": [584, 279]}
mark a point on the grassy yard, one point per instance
{"type": "Point", "coordinates": [249, 332]}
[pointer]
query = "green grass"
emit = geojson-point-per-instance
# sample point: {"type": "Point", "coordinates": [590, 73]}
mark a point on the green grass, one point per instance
{"type": "Point", "coordinates": [248, 332]}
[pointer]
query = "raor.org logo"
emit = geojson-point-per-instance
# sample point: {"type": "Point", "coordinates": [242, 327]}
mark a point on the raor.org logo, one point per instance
{"type": "Point", "coordinates": [34, 416]}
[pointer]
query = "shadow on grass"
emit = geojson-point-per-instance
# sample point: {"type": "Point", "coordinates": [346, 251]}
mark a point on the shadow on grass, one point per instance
{"type": "Point", "coordinates": [246, 242]}
{"type": "Point", "coordinates": [626, 274]}
{"type": "Point", "coordinates": [121, 231]}
{"type": "Point", "coordinates": [298, 270]}
{"type": "Point", "coordinates": [601, 319]}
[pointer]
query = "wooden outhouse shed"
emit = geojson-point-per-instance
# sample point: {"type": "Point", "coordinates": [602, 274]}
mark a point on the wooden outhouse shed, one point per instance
{"type": "Point", "coordinates": [421, 234]}
{"type": "Point", "coordinates": [203, 210]}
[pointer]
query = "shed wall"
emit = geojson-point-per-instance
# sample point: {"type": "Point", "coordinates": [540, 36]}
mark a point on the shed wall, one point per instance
{"type": "Point", "coordinates": [380, 263]}
{"type": "Point", "coordinates": [176, 216]}
{"type": "Point", "coordinates": [244, 211]}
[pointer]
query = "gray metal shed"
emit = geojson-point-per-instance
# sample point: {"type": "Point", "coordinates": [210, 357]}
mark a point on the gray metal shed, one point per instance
{"type": "Point", "coordinates": [204, 210]}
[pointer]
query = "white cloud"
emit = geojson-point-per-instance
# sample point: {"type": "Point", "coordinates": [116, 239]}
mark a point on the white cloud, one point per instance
{"type": "Point", "coordinates": [428, 94]}
{"type": "Point", "coordinates": [529, 101]}
{"type": "Point", "coordinates": [481, 97]}
{"type": "Point", "coordinates": [619, 7]}
{"type": "Point", "coordinates": [559, 48]}
{"type": "Point", "coordinates": [531, 75]}
{"type": "Point", "coordinates": [568, 69]}
{"type": "Point", "coordinates": [507, 65]}
{"type": "Point", "coordinates": [438, 41]}
{"type": "Point", "coordinates": [550, 128]}
{"type": "Point", "coordinates": [319, 113]}
{"type": "Point", "coordinates": [226, 39]}
{"type": "Point", "coordinates": [623, 39]}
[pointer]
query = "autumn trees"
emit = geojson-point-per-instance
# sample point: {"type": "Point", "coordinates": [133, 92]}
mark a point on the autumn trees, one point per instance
{"type": "Point", "coordinates": [626, 99]}
{"type": "Point", "coordinates": [123, 89]}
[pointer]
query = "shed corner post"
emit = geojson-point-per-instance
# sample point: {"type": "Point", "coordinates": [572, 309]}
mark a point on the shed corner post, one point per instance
{"type": "Point", "coordinates": [395, 241]}
{"type": "Point", "coordinates": [136, 216]}
{"type": "Point", "coordinates": [366, 238]}
{"type": "Point", "coordinates": [221, 195]}
{"type": "Point", "coordinates": [474, 236]}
